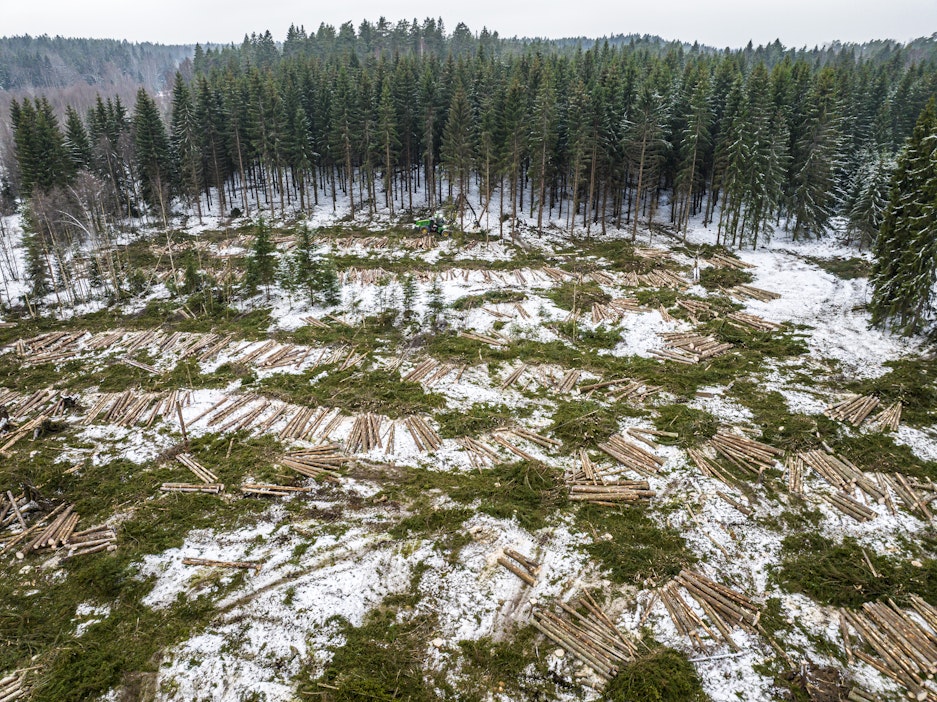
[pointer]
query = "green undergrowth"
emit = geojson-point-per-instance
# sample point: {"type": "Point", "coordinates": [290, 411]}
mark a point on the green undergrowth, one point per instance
{"type": "Point", "coordinates": [478, 419]}
{"type": "Point", "coordinates": [583, 423]}
{"type": "Point", "coordinates": [511, 668]}
{"type": "Point", "coordinates": [470, 302]}
{"type": "Point", "coordinates": [779, 426]}
{"type": "Point", "coordinates": [619, 256]}
{"type": "Point", "coordinates": [845, 268]}
{"type": "Point", "coordinates": [601, 337]}
{"type": "Point", "coordinates": [580, 296]}
{"type": "Point", "coordinates": [353, 390]}
{"type": "Point", "coordinates": [660, 675]}
{"type": "Point", "coordinates": [632, 547]}
{"type": "Point", "coordinates": [378, 332]}
{"type": "Point", "coordinates": [837, 574]}
{"type": "Point", "coordinates": [716, 278]}
{"type": "Point", "coordinates": [693, 426]}
{"type": "Point", "coordinates": [879, 452]}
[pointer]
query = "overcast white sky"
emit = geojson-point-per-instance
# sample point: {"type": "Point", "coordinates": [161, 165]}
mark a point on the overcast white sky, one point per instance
{"type": "Point", "coordinates": [718, 23]}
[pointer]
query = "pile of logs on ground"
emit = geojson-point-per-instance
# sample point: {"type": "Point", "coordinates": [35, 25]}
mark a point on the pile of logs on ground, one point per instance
{"type": "Point", "coordinates": [795, 474]}
{"type": "Point", "coordinates": [62, 521]}
{"type": "Point", "coordinates": [854, 409]}
{"type": "Point", "coordinates": [742, 452]}
{"type": "Point", "coordinates": [48, 402]}
{"type": "Point", "coordinates": [319, 461]}
{"type": "Point", "coordinates": [708, 465]}
{"type": "Point", "coordinates": [513, 376]}
{"type": "Point", "coordinates": [749, 292]}
{"type": "Point", "coordinates": [430, 372]}
{"type": "Point", "coordinates": [365, 433]}
{"type": "Point", "coordinates": [424, 436]}
{"type": "Point", "coordinates": [268, 489]}
{"type": "Point", "coordinates": [499, 438]}
{"type": "Point", "coordinates": [522, 566]}
{"type": "Point", "coordinates": [697, 309]}
{"type": "Point", "coordinates": [915, 496]}
{"type": "Point", "coordinates": [839, 472]}
{"type": "Point", "coordinates": [724, 608]}
{"type": "Point", "coordinates": [648, 436]}
{"type": "Point", "coordinates": [905, 643]}
{"type": "Point", "coordinates": [128, 408]}
{"type": "Point", "coordinates": [568, 381]}
{"type": "Point", "coordinates": [200, 471]}
{"type": "Point", "coordinates": [31, 534]}
{"type": "Point", "coordinates": [614, 310]}
{"type": "Point", "coordinates": [22, 431]}
{"type": "Point", "coordinates": [49, 347]}
{"type": "Point", "coordinates": [12, 686]}
{"type": "Point", "coordinates": [586, 632]}
{"type": "Point", "coordinates": [610, 494]}
{"type": "Point", "coordinates": [87, 541]}
{"type": "Point", "coordinates": [889, 418]}
{"type": "Point", "coordinates": [479, 452]}
{"type": "Point", "coordinates": [850, 506]}
{"type": "Point", "coordinates": [622, 388]}
{"type": "Point", "coordinates": [744, 320]}
{"type": "Point", "coordinates": [631, 455]}
{"type": "Point", "coordinates": [309, 422]}
{"type": "Point", "coordinates": [690, 347]}
{"type": "Point", "coordinates": [659, 278]}
{"type": "Point", "coordinates": [11, 509]}
{"type": "Point", "coordinates": [492, 338]}
{"type": "Point", "coordinates": [721, 261]}
{"type": "Point", "coordinates": [212, 488]}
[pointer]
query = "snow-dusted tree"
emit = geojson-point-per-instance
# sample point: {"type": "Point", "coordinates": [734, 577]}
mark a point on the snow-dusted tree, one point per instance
{"type": "Point", "coordinates": [904, 277]}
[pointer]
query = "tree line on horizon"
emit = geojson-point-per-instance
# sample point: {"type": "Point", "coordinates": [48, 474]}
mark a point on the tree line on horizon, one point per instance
{"type": "Point", "coordinates": [615, 136]}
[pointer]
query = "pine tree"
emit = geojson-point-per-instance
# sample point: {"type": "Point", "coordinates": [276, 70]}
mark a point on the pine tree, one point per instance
{"type": "Point", "coordinates": [904, 275]}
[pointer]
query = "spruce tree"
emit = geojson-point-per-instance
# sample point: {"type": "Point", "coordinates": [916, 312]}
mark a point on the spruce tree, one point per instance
{"type": "Point", "coordinates": [261, 266]}
{"type": "Point", "coordinates": [904, 275]}
{"type": "Point", "coordinates": [457, 147]}
{"type": "Point", "coordinates": [152, 153]}
{"type": "Point", "coordinates": [185, 138]}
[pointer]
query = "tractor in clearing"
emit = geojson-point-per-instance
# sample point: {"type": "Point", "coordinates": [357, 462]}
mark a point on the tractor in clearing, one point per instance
{"type": "Point", "coordinates": [433, 225]}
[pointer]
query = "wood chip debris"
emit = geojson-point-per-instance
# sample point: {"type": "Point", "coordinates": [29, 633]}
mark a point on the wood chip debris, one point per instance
{"type": "Point", "coordinates": [584, 630]}
{"type": "Point", "coordinates": [631, 455]}
{"type": "Point", "coordinates": [854, 409]}
{"type": "Point", "coordinates": [904, 643]}
{"type": "Point", "coordinates": [244, 565]}
{"type": "Point", "coordinates": [522, 566]}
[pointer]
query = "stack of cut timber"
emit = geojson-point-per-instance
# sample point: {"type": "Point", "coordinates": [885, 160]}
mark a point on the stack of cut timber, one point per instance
{"type": "Point", "coordinates": [422, 371]}
{"type": "Point", "coordinates": [55, 534]}
{"type": "Point", "coordinates": [142, 366]}
{"type": "Point", "coordinates": [690, 347]}
{"type": "Point", "coordinates": [269, 489]}
{"type": "Point", "coordinates": [849, 506]}
{"type": "Point", "coordinates": [590, 636]}
{"type": "Point", "coordinates": [635, 390]}
{"type": "Point", "coordinates": [214, 489]}
{"type": "Point", "coordinates": [11, 509]}
{"type": "Point", "coordinates": [853, 409]}
{"type": "Point", "coordinates": [723, 606]}
{"type": "Point", "coordinates": [685, 619]}
{"type": "Point", "coordinates": [424, 436]}
{"type": "Point", "coordinates": [492, 339]}
{"type": "Point", "coordinates": [748, 292]}
{"type": "Point", "coordinates": [202, 473]}
{"type": "Point", "coordinates": [568, 381]}
{"type": "Point", "coordinates": [318, 461]}
{"type": "Point", "coordinates": [501, 441]}
{"type": "Point", "coordinates": [708, 465]}
{"type": "Point", "coordinates": [479, 452]}
{"type": "Point", "coordinates": [904, 641]}
{"type": "Point", "coordinates": [839, 472]}
{"type": "Point", "coordinates": [27, 428]}
{"type": "Point", "coordinates": [722, 261]}
{"type": "Point", "coordinates": [365, 433]}
{"type": "Point", "coordinates": [889, 418]}
{"type": "Point", "coordinates": [795, 474]}
{"type": "Point", "coordinates": [601, 277]}
{"type": "Point", "coordinates": [534, 437]}
{"type": "Point", "coordinates": [647, 436]}
{"type": "Point", "coordinates": [11, 686]}
{"type": "Point", "coordinates": [742, 319]}
{"type": "Point", "coordinates": [697, 309]}
{"type": "Point", "coordinates": [556, 274]}
{"type": "Point", "coordinates": [587, 474]}
{"type": "Point", "coordinates": [305, 422]}
{"type": "Point", "coordinates": [631, 455]}
{"type": "Point", "coordinates": [611, 494]}
{"type": "Point", "coordinates": [93, 540]}
{"type": "Point", "coordinates": [33, 530]}
{"type": "Point", "coordinates": [745, 453]}
{"type": "Point", "coordinates": [908, 494]}
{"type": "Point", "coordinates": [614, 310]}
{"type": "Point", "coordinates": [522, 566]}
{"type": "Point", "coordinates": [513, 376]}
{"type": "Point", "coordinates": [315, 322]}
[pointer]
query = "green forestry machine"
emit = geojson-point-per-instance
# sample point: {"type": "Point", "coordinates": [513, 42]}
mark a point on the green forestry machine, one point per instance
{"type": "Point", "coordinates": [433, 225]}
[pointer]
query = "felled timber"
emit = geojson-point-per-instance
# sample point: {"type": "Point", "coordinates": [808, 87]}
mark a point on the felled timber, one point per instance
{"type": "Point", "coordinates": [244, 565]}
{"type": "Point", "coordinates": [631, 455]}
{"type": "Point", "coordinates": [747, 454]}
{"type": "Point", "coordinates": [479, 452]}
{"type": "Point", "coordinates": [88, 541]}
{"type": "Point", "coordinates": [889, 418]}
{"type": "Point", "coordinates": [611, 494]}
{"type": "Point", "coordinates": [202, 473]}
{"type": "Point", "coordinates": [689, 347]}
{"type": "Point", "coordinates": [751, 321]}
{"type": "Point", "coordinates": [854, 409]}
{"type": "Point", "coordinates": [319, 461]}
{"type": "Point", "coordinates": [365, 433]}
{"type": "Point", "coordinates": [214, 489]}
{"type": "Point", "coordinates": [424, 436]}
{"type": "Point", "coordinates": [270, 489]}
{"type": "Point", "coordinates": [849, 506]}
{"type": "Point", "coordinates": [841, 473]}
{"type": "Point", "coordinates": [522, 566]}
{"type": "Point", "coordinates": [749, 292]}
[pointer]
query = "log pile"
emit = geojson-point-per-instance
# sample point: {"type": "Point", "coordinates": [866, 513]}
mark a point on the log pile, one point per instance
{"type": "Point", "coordinates": [202, 473]}
{"type": "Point", "coordinates": [849, 506]}
{"type": "Point", "coordinates": [429, 372]}
{"type": "Point", "coordinates": [707, 464]}
{"type": "Point", "coordinates": [749, 292]}
{"type": "Point", "coordinates": [479, 452]}
{"type": "Point", "coordinates": [11, 509]}
{"type": "Point", "coordinates": [522, 566]}
{"type": "Point", "coordinates": [610, 494]}
{"type": "Point", "coordinates": [795, 474]}
{"type": "Point", "coordinates": [722, 261]}
{"type": "Point", "coordinates": [648, 436]}
{"type": "Point", "coordinates": [365, 433]}
{"type": "Point", "coordinates": [697, 309]}
{"type": "Point", "coordinates": [424, 436]}
{"type": "Point", "coordinates": [690, 347]}
{"type": "Point", "coordinates": [658, 278]}
{"type": "Point", "coordinates": [137, 364]}
{"type": "Point", "coordinates": [270, 489]}
{"type": "Point", "coordinates": [23, 430]}
{"type": "Point", "coordinates": [534, 438]}
{"type": "Point", "coordinates": [854, 409]}
{"type": "Point", "coordinates": [724, 608]}
{"type": "Point", "coordinates": [839, 472]}
{"type": "Point", "coordinates": [55, 534]}
{"type": "Point", "coordinates": [47, 401]}
{"type": "Point", "coordinates": [908, 492]}
{"type": "Point", "coordinates": [49, 347]}
{"type": "Point", "coordinates": [889, 418]}
{"type": "Point", "coordinates": [501, 441]}
{"type": "Point", "coordinates": [745, 453]}
{"type": "Point", "coordinates": [319, 461]}
{"type": "Point", "coordinates": [743, 320]}
{"type": "Point", "coordinates": [631, 455]}
{"type": "Point", "coordinates": [492, 339]}
{"type": "Point", "coordinates": [513, 376]}
{"type": "Point", "coordinates": [590, 636]}
{"type": "Point", "coordinates": [568, 381]}
{"type": "Point", "coordinates": [93, 540]}
{"type": "Point", "coordinates": [33, 530]}
{"type": "Point", "coordinates": [904, 642]}
{"type": "Point", "coordinates": [213, 489]}
{"type": "Point", "coordinates": [614, 310]}
{"type": "Point", "coordinates": [587, 474]}
{"type": "Point", "coordinates": [309, 422]}
{"type": "Point", "coordinates": [12, 686]}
